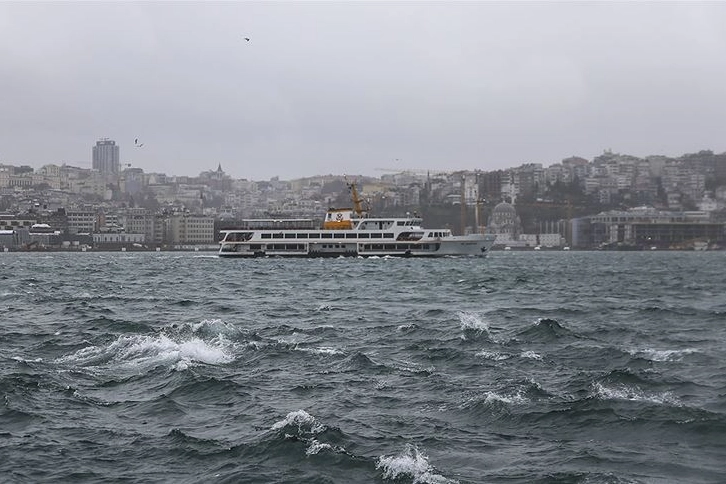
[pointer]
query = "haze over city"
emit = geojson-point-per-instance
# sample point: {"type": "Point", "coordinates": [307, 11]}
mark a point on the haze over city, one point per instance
{"type": "Point", "coordinates": [351, 87]}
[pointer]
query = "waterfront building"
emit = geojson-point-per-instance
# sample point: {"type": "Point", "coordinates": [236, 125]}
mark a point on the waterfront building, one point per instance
{"type": "Point", "coordinates": [81, 221]}
{"type": "Point", "coordinates": [645, 227]}
{"type": "Point", "coordinates": [117, 239]}
{"type": "Point", "coordinates": [190, 229]}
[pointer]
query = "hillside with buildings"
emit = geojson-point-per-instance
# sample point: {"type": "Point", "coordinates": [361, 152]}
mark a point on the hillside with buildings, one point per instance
{"type": "Point", "coordinates": [613, 201]}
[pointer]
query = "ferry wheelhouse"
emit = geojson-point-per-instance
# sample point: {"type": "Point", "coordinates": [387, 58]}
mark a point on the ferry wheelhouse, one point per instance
{"type": "Point", "coordinates": [348, 232]}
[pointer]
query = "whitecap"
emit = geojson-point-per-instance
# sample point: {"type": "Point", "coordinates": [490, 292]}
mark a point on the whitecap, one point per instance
{"type": "Point", "coordinates": [470, 321]}
{"type": "Point", "coordinates": [493, 355]}
{"type": "Point", "coordinates": [24, 360]}
{"type": "Point", "coordinates": [138, 352]}
{"type": "Point", "coordinates": [531, 354]}
{"type": "Point", "coordinates": [633, 394]}
{"type": "Point", "coordinates": [410, 463]}
{"type": "Point", "coordinates": [299, 418]}
{"type": "Point", "coordinates": [514, 399]}
{"type": "Point", "coordinates": [316, 447]}
{"type": "Point", "coordinates": [323, 350]}
{"type": "Point", "coordinates": [662, 355]}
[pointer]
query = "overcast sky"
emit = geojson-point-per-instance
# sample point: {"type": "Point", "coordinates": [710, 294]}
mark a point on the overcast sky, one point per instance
{"type": "Point", "coordinates": [350, 87]}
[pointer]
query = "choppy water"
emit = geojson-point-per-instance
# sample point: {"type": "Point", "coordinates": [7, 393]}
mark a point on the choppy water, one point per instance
{"type": "Point", "coordinates": [569, 367]}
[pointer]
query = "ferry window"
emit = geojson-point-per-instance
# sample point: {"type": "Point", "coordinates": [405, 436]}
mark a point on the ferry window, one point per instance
{"type": "Point", "coordinates": [350, 236]}
{"type": "Point", "coordinates": [276, 236]}
{"type": "Point", "coordinates": [266, 236]}
{"type": "Point", "coordinates": [425, 246]}
{"type": "Point", "coordinates": [390, 246]}
{"type": "Point", "coordinates": [401, 222]}
{"type": "Point", "coordinates": [302, 236]}
{"type": "Point", "coordinates": [290, 236]}
{"type": "Point", "coordinates": [387, 236]}
{"type": "Point", "coordinates": [339, 236]}
{"type": "Point", "coordinates": [326, 236]}
{"type": "Point", "coordinates": [376, 236]}
{"type": "Point", "coordinates": [363, 236]}
{"type": "Point", "coordinates": [255, 246]}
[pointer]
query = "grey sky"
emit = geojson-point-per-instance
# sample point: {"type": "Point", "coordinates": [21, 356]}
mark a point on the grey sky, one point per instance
{"type": "Point", "coordinates": [333, 87]}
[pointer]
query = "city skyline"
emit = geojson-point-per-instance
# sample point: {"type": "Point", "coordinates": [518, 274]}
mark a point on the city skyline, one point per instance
{"type": "Point", "coordinates": [108, 148]}
{"type": "Point", "coordinates": [347, 88]}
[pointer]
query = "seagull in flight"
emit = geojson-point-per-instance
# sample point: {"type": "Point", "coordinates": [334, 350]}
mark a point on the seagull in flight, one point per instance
{"type": "Point", "coordinates": [137, 144]}
{"type": "Point", "coordinates": [247, 39]}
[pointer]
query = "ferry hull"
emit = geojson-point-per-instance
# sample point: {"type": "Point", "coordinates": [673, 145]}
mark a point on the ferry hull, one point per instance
{"type": "Point", "coordinates": [472, 245]}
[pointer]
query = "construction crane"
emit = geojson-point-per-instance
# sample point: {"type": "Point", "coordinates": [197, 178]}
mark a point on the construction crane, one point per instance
{"type": "Point", "coordinates": [357, 205]}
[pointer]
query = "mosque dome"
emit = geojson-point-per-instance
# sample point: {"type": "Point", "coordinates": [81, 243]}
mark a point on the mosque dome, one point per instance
{"type": "Point", "coordinates": [504, 208]}
{"type": "Point", "coordinates": [504, 220]}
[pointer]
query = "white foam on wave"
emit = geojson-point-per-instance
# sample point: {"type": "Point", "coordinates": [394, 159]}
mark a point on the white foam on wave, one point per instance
{"type": "Point", "coordinates": [472, 321]}
{"type": "Point", "coordinates": [145, 352]}
{"type": "Point", "coordinates": [411, 367]}
{"type": "Point", "coordinates": [493, 355]}
{"type": "Point", "coordinates": [492, 397]}
{"type": "Point", "coordinates": [633, 394]}
{"type": "Point", "coordinates": [322, 351]}
{"type": "Point", "coordinates": [410, 463]}
{"type": "Point", "coordinates": [24, 360]}
{"type": "Point", "coordinates": [512, 399]}
{"type": "Point", "coordinates": [316, 447]}
{"type": "Point", "coordinates": [662, 355]}
{"type": "Point", "coordinates": [299, 418]}
{"type": "Point", "coordinates": [531, 355]}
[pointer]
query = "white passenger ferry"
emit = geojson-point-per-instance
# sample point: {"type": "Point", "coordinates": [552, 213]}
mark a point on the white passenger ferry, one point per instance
{"type": "Point", "coordinates": [348, 232]}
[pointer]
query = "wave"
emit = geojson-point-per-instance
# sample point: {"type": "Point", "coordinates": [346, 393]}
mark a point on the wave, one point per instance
{"type": "Point", "coordinates": [493, 355]}
{"type": "Point", "coordinates": [359, 362]}
{"type": "Point", "coordinates": [321, 351]}
{"type": "Point", "coordinates": [474, 327]}
{"type": "Point", "coordinates": [301, 426]}
{"type": "Point", "coordinates": [410, 463]}
{"type": "Point", "coordinates": [633, 393]}
{"type": "Point", "coordinates": [145, 352]}
{"type": "Point", "coordinates": [546, 329]}
{"type": "Point", "coordinates": [530, 355]}
{"type": "Point", "coordinates": [304, 422]}
{"type": "Point", "coordinates": [662, 355]}
{"type": "Point", "coordinates": [518, 393]}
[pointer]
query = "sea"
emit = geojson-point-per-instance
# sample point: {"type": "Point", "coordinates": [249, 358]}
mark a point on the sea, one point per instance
{"type": "Point", "coordinates": [522, 367]}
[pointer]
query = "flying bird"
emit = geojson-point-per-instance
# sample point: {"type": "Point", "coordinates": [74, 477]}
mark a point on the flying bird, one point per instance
{"type": "Point", "coordinates": [247, 39]}
{"type": "Point", "coordinates": [137, 144]}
